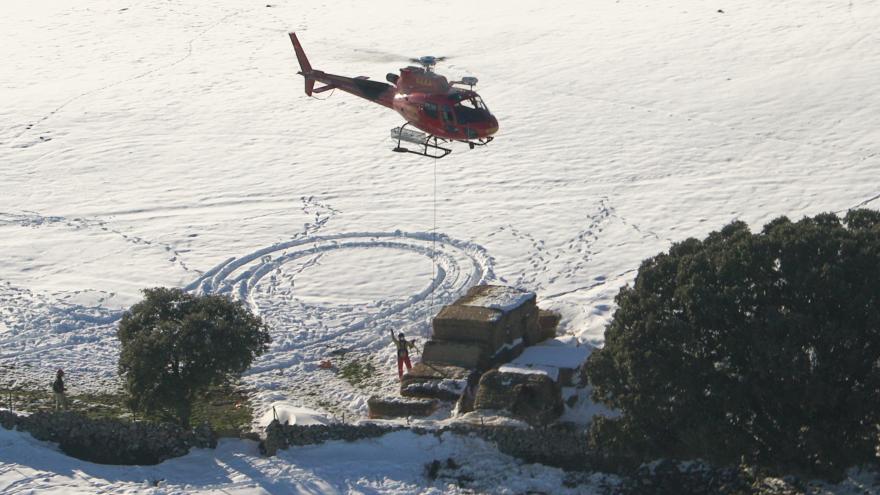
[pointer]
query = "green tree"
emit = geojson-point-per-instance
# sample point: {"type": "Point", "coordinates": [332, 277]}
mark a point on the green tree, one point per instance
{"type": "Point", "coordinates": [764, 346]}
{"type": "Point", "coordinates": [176, 345]}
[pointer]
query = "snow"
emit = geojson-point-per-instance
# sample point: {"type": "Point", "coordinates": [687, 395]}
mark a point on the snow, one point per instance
{"type": "Point", "coordinates": [562, 352]}
{"type": "Point", "coordinates": [452, 386]}
{"type": "Point", "coordinates": [287, 412]}
{"type": "Point", "coordinates": [531, 369]}
{"type": "Point", "coordinates": [146, 144]}
{"type": "Point", "coordinates": [393, 464]}
{"type": "Point", "coordinates": [584, 410]}
{"type": "Point", "coordinates": [549, 356]}
{"type": "Point", "coordinates": [504, 299]}
{"type": "Point", "coordinates": [509, 345]}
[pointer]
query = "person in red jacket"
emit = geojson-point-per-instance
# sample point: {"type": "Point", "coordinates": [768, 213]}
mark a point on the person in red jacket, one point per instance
{"type": "Point", "coordinates": [403, 347]}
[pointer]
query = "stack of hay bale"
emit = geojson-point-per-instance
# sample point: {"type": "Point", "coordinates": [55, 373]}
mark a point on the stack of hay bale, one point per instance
{"type": "Point", "coordinates": [488, 326]}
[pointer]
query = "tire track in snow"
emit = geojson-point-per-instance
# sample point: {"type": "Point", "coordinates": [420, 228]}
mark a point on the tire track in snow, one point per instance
{"type": "Point", "coordinates": [33, 219]}
{"type": "Point", "coordinates": [188, 54]}
{"type": "Point", "coordinates": [306, 333]}
{"type": "Point", "coordinates": [860, 204]}
{"type": "Point", "coordinates": [40, 330]}
{"type": "Point", "coordinates": [460, 265]}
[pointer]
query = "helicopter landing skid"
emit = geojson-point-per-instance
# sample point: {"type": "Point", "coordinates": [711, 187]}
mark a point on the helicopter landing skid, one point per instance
{"type": "Point", "coordinates": [479, 142]}
{"type": "Point", "coordinates": [426, 141]}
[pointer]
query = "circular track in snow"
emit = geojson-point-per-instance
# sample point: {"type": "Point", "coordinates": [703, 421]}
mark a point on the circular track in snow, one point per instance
{"type": "Point", "coordinates": [302, 331]}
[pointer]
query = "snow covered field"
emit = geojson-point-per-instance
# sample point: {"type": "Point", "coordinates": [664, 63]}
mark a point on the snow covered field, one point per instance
{"type": "Point", "coordinates": [170, 143]}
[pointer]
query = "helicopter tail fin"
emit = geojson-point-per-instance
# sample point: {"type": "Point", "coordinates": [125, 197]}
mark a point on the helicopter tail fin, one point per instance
{"type": "Point", "coordinates": [304, 65]}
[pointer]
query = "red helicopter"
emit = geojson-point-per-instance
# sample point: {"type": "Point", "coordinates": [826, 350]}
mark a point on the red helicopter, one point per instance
{"type": "Point", "coordinates": [444, 111]}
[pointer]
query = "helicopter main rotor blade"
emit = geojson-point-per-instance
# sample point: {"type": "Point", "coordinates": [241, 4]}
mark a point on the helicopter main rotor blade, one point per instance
{"type": "Point", "coordinates": [382, 56]}
{"type": "Point", "coordinates": [427, 58]}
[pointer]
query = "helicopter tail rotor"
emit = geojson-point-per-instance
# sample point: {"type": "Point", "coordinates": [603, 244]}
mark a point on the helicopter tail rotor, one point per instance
{"type": "Point", "coordinates": [304, 65]}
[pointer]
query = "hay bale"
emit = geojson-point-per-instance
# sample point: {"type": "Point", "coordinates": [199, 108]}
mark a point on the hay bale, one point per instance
{"type": "Point", "coordinates": [491, 314]}
{"type": "Point", "coordinates": [451, 353]}
{"type": "Point", "coordinates": [548, 321]}
{"type": "Point", "coordinates": [434, 381]}
{"type": "Point", "coordinates": [393, 407]}
{"type": "Point", "coordinates": [469, 324]}
{"type": "Point", "coordinates": [528, 324]}
{"type": "Point", "coordinates": [519, 312]}
{"type": "Point", "coordinates": [532, 397]}
{"type": "Point", "coordinates": [503, 298]}
{"type": "Point", "coordinates": [426, 371]}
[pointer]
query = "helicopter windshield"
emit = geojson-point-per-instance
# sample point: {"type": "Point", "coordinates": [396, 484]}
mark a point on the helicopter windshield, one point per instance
{"type": "Point", "coordinates": [471, 109]}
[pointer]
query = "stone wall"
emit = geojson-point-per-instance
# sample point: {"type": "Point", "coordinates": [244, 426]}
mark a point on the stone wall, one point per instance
{"type": "Point", "coordinates": [106, 441]}
{"type": "Point", "coordinates": [119, 442]}
{"type": "Point", "coordinates": [282, 436]}
{"type": "Point", "coordinates": [562, 446]}
{"type": "Point", "coordinates": [565, 446]}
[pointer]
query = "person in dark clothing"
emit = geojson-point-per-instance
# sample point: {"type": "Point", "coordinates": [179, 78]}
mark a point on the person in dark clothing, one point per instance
{"type": "Point", "coordinates": [465, 402]}
{"type": "Point", "coordinates": [403, 347]}
{"type": "Point", "coordinates": [58, 390]}
{"type": "Point", "coordinates": [473, 379]}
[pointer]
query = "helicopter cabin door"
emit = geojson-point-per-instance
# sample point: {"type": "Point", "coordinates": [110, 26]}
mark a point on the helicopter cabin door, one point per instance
{"type": "Point", "coordinates": [448, 118]}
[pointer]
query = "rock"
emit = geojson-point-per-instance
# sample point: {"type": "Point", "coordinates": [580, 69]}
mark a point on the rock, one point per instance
{"type": "Point", "coordinates": [203, 437]}
{"type": "Point", "coordinates": [9, 420]}
{"type": "Point", "coordinates": [275, 439]}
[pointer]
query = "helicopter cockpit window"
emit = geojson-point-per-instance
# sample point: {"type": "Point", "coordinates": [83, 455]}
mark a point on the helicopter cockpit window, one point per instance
{"type": "Point", "coordinates": [469, 103]}
{"type": "Point", "coordinates": [431, 110]}
{"type": "Point", "coordinates": [471, 110]}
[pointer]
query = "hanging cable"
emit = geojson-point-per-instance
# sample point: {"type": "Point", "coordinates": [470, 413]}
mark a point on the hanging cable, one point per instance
{"type": "Point", "coordinates": [433, 246]}
{"type": "Point", "coordinates": [326, 97]}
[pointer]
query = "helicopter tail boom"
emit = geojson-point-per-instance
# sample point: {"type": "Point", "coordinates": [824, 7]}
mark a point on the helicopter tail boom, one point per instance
{"type": "Point", "coordinates": [377, 92]}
